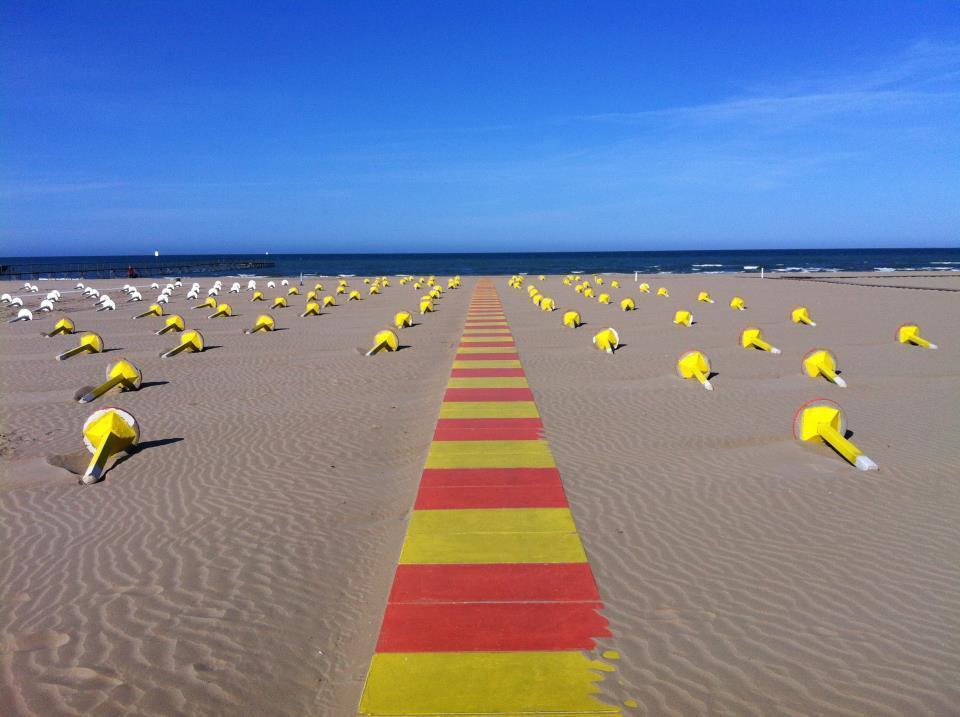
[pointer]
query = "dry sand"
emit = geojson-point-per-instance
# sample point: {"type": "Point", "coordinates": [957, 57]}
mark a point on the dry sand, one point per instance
{"type": "Point", "coordinates": [239, 563]}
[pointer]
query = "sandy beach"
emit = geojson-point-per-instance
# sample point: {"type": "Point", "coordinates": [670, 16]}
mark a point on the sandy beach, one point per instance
{"type": "Point", "coordinates": [239, 562]}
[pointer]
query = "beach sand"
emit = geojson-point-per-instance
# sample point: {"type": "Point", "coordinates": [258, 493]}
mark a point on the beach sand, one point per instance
{"type": "Point", "coordinates": [240, 562]}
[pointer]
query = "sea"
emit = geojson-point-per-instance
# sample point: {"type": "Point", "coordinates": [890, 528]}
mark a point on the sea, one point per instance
{"type": "Point", "coordinates": [645, 262]}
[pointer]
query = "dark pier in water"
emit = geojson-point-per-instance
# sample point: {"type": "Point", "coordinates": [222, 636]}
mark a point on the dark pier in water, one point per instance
{"type": "Point", "coordinates": [142, 266]}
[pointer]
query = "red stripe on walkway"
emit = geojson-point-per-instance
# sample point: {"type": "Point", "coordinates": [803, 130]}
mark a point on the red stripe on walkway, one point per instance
{"type": "Point", "coordinates": [480, 627]}
{"type": "Point", "coordinates": [489, 476]}
{"type": "Point", "coordinates": [488, 429]}
{"type": "Point", "coordinates": [486, 372]}
{"type": "Point", "coordinates": [556, 582]}
{"type": "Point", "coordinates": [501, 496]}
{"type": "Point", "coordinates": [486, 344]}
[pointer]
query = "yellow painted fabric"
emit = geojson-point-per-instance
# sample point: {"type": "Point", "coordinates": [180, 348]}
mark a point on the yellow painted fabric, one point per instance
{"type": "Point", "coordinates": [491, 520]}
{"type": "Point", "coordinates": [472, 548]}
{"type": "Point", "coordinates": [493, 363]}
{"type": "Point", "coordinates": [489, 382]}
{"type": "Point", "coordinates": [502, 683]}
{"type": "Point", "coordinates": [487, 350]}
{"type": "Point", "coordinates": [490, 454]}
{"type": "Point", "coordinates": [488, 409]}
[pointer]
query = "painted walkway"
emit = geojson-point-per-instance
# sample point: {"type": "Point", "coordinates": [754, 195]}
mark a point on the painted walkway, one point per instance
{"type": "Point", "coordinates": [493, 601]}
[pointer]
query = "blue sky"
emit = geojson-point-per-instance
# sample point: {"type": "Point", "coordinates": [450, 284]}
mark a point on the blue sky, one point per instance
{"type": "Point", "coordinates": [393, 126]}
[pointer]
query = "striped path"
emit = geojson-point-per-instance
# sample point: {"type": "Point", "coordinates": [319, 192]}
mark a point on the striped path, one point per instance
{"type": "Point", "coordinates": [493, 602]}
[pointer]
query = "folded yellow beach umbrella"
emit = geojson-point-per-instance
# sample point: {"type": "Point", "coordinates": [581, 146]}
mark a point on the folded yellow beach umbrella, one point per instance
{"type": "Point", "coordinates": [531, 289]}
{"type": "Point", "coordinates": [385, 340]}
{"type": "Point", "coordinates": [329, 300]}
{"type": "Point", "coordinates": [426, 305]}
{"type": "Point", "coordinates": [801, 315]}
{"type": "Point", "coordinates": [257, 296]}
{"type": "Point", "coordinates": [279, 303]}
{"type": "Point", "coordinates": [311, 296]}
{"type": "Point", "coordinates": [264, 323]}
{"type": "Point", "coordinates": [547, 304]}
{"type": "Point", "coordinates": [311, 309]}
{"type": "Point", "coordinates": [174, 322]}
{"type": "Point", "coordinates": [403, 319]}
{"type": "Point", "coordinates": [627, 304]}
{"type": "Point", "coordinates": [366, 281]}
{"type": "Point", "coordinates": [910, 334]}
{"type": "Point", "coordinates": [223, 310]}
{"type": "Point", "coordinates": [154, 310]}
{"type": "Point", "coordinates": [588, 292]}
{"type": "Point", "coordinates": [662, 291]}
{"type": "Point", "coordinates": [537, 298]}
{"type": "Point", "coordinates": [89, 343]}
{"type": "Point", "coordinates": [823, 420]}
{"type": "Point", "coordinates": [695, 364]}
{"type": "Point", "coordinates": [607, 340]}
{"type": "Point", "coordinates": [374, 289]}
{"type": "Point", "coordinates": [738, 303]}
{"type": "Point", "coordinates": [614, 284]}
{"type": "Point", "coordinates": [599, 280]}
{"type": "Point", "coordinates": [63, 326]}
{"type": "Point", "coordinates": [122, 373]}
{"type": "Point", "coordinates": [318, 286]}
{"type": "Point", "coordinates": [190, 341]}
{"type": "Point", "coordinates": [209, 303]}
{"type": "Point", "coordinates": [752, 338]}
{"type": "Point", "coordinates": [341, 289]}
{"type": "Point", "coordinates": [571, 319]}
{"type": "Point", "coordinates": [353, 296]}
{"type": "Point", "coordinates": [418, 285]}
{"type": "Point", "coordinates": [604, 298]}
{"type": "Point", "coordinates": [820, 362]}
{"type": "Point", "coordinates": [683, 318]}
{"type": "Point", "coordinates": [579, 288]}
{"type": "Point", "coordinates": [105, 433]}
{"type": "Point", "coordinates": [293, 291]}
{"type": "Point", "coordinates": [704, 297]}
{"type": "Point", "coordinates": [644, 288]}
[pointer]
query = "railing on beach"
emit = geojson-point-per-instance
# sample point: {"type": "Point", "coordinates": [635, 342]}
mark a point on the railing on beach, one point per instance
{"type": "Point", "coordinates": [148, 266]}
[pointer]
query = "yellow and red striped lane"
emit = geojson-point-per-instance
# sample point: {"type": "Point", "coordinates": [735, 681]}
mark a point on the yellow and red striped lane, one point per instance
{"type": "Point", "coordinates": [493, 602]}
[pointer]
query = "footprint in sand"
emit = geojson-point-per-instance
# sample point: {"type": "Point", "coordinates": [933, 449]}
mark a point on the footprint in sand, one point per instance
{"type": "Point", "coordinates": [83, 678]}
{"type": "Point", "coordinates": [29, 641]}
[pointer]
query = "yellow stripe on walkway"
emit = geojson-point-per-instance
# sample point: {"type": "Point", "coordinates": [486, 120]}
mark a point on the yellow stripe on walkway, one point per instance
{"type": "Point", "coordinates": [487, 350]}
{"type": "Point", "coordinates": [505, 363]}
{"type": "Point", "coordinates": [473, 548]}
{"type": "Point", "coordinates": [491, 520]}
{"type": "Point", "coordinates": [488, 409]}
{"type": "Point", "coordinates": [489, 382]}
{"type": "Point", "coordinates": [471, 683]}
{"type": "Point", "coordinates": [490, 454]}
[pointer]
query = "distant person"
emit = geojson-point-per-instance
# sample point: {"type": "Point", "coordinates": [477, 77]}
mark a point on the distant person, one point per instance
{"type": "Point", "coordinates": [132, 273]}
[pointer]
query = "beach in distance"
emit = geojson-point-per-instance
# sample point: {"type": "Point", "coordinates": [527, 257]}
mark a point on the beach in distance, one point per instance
{"type": "Point", "coordinates": [240, 561]}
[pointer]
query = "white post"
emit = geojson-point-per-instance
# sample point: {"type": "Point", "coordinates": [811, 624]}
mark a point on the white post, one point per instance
{"type": "Point", "coordinates": [636, 276]}
{"type": "Point", "coordinates": [761, 272]}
